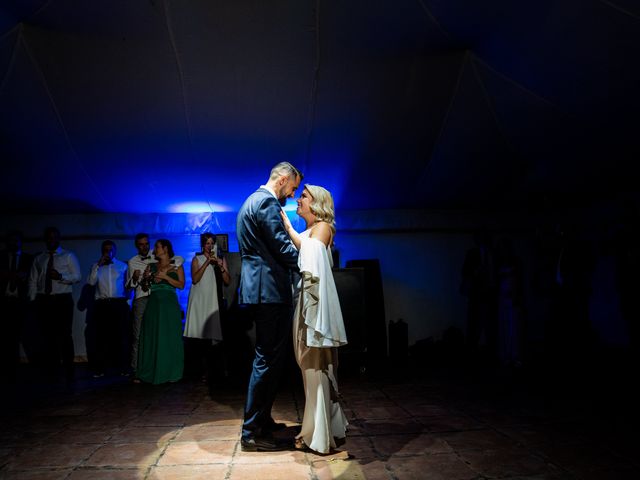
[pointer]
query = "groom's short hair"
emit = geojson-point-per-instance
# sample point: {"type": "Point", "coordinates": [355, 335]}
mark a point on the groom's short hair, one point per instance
{"type": "Point", "coordinates": [285, 169]}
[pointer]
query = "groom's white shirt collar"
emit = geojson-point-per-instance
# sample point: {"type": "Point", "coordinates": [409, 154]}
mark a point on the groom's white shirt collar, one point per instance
{"type": "Point", "coordinates": [270, 190]}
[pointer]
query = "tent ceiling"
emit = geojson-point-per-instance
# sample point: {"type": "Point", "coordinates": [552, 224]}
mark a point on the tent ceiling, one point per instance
{"type": "Point", "coordinates": [158, 106]}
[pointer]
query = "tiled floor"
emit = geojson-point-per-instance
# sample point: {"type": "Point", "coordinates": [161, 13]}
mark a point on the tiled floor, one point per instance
{"type": "Point", "coordinates": [445, 427]}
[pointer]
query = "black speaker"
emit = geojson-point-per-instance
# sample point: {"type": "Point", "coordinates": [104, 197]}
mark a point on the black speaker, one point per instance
{"type": "Point", "coordinates": [351, 293]}
{"type": "Point", "coordinates": [376, 326]}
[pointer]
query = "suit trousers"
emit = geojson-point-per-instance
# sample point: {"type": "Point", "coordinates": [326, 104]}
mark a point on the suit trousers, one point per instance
{"type": "Point", "coordinates": [273, 337]}
{"type": "Point", "coordinates": [13, 311]}
{"type": "Point", "coordinates": [112, 328]}
{"type": "Point", "coordinates": [137, 309]}
{"type": "Point", "coordinates": [55, 323]}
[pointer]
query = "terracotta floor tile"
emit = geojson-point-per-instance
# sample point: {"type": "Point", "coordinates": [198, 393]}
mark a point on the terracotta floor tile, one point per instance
{"type": "Point", "coordinates": [369, 412]}
{"type": "Point", "coordinates": [358, 447]}
{"type": "Point", "coordinates": [109, 474]}
{"type": "Point", "coordinates": [540, 435]}
{"type": "Point", "coordinates": [432, 467]}
{"type": "Point", "coordinates": [112, 425]}
{"type": "Point", "coordinates": [286, 456]}
{"type": "Point", "coordinates": [125, 455]}
{"type": "Point", "coordinates": [366, 401]}
{"type": "Point", "coordinates": [210, 408]}
{"type": "Point", "coordinates": [52, 456]}
{"type": "Point", "coordinates": [199, 433]}
{"type": "Point", "coordinates": [477, 440]}
{"type": "Point", "coordinates": [271, 471]}
{"type": "Point", "coordinates": [356, 428]}
{"type": "Point", "coordinates": [450, 423]}
{"type": "Point", "coordinates": [426, 410]}
{"type": "Point", "coordinates": [506, 463]}
{"type": "Point", "coordinates": [190, 453]}
{"type": "Point", "coordinates": [16, 438]}
{"type": "Point", "coordinates": [178, 408]}
{"type": "Point", "coordinates": [189, 472]}
{"type": "Point", "coordinates": [156, 435]}
{"type": "Point", "coordinates": [454, 430]}
{"type": "Point", "coordinates": [591, 461]}
{"type": "Point", "coordinates": [81, 436]}
{"type": "Point", "coordinates": [285, 414]}
{"type": "Point", "coordinates": [215, 418]}
{"type": "Point", "coordinates": [70, 410]}
{"type": "Point", "coordinates": [159, 421]}
{"type": "Point", "coordinates": [39, 474]}
{"type": "Point", "coordinates": [391, 426]}
{"type": "Point", "coordinates": [7, 453]}
{"type": "Point", "coordinates": [350, 470]}
{"type": "Point", "coordinates": [389, 445]}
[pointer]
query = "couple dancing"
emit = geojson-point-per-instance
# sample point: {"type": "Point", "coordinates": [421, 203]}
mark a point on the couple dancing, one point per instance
{"type": "Point", "coordinates": [271, 252]}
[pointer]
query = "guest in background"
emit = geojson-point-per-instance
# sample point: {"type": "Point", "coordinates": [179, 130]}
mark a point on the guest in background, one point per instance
{"type": "Point", "coordinates": [51, 280]}
{"type": "Point", "coordinates": [111, 312]}
{"type": "Point", "coordinates": [14, 270]}
{"type": "Point", "coordinates": [510, 304]}
{"type": "Point", "coordinates": [479, 286]}
{"type": "Point", "coordinates": [568, 330]}
{"type": "Point", "coordinates": [136, 268]}
{"type": "Point", "coordinates": [203, 328]}
{"type": "Point", "coordinates": [161, 352]}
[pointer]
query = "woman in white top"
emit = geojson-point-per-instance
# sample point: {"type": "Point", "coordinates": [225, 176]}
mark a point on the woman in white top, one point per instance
{"type": "Point", "coordinates": [318, 327]}
{"type": "Point", "coordinates": [203, 310]}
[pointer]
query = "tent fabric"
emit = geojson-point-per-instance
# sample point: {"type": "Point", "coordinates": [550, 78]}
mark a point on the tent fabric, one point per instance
{"type": "Point", "coordinates": [161, 106]}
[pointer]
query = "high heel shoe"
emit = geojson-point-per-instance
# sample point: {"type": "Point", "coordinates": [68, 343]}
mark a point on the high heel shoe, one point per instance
{"type": "Point", "coordinates": [300, 445]}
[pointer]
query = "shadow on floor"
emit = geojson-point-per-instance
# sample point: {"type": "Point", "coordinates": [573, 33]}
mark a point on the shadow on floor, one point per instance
{"type": "Point", "coordinates": [441, 423]}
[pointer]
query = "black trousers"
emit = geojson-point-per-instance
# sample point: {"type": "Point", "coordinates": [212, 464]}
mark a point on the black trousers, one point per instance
{"type": "Point", "coordinates": [13, 311]}
{"type": "Point", "coordinates": [273, 341]}
{"type": "Point", "coordinates": [55, 321]}
{"type": "Point", "coordinates": [112, 335]}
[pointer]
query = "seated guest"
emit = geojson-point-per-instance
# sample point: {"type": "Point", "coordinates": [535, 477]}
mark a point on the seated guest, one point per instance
{"type": "Point", "coordinates": [14, 270]}
{"type": "Point", "coordinates": [203, 327]}
{"type": "Point", "coordinates": [161, 353]}
{"type": "Point", "coordinates": [110, 312]}
{"type": "Point", "coordinates": [51, 280]}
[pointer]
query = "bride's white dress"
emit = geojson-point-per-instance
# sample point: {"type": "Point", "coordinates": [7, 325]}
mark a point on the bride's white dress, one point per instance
{"type": "Point", "coordinates": [318, 329]}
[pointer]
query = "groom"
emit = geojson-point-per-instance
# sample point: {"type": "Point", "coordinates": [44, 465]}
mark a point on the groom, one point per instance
{"type": "Point", "coordinates": [268, 259]}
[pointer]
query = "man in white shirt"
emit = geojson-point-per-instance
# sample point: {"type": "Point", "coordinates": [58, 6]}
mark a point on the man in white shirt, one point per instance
{"type": "Point", "coordinates": [137, 265]}
{"type": "Point", "coordinates": [51, 280]}
{"type": "Point", "coordinates": [110, 313]}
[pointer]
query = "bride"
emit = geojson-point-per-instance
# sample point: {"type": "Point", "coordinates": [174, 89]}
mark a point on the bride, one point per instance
{"type": "Point", "coordinates": [318, 328]}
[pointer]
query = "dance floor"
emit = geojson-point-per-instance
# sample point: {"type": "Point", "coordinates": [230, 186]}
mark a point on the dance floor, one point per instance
{"type": "Point", "coordinates": [445, 426]}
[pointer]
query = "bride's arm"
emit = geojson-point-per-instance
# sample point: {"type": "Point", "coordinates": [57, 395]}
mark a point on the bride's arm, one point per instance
{"type": "Point", "coordinates": [295, 238]}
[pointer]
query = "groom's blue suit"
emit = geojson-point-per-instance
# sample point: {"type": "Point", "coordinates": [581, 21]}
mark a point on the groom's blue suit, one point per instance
{"type": "Point", "coordinates": [268, 260]}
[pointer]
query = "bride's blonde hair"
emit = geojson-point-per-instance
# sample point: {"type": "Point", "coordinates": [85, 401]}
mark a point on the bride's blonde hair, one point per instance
{"type": "Point", "coordinates": [322, 205]}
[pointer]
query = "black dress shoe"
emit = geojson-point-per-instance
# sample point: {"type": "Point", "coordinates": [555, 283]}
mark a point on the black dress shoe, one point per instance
{"type": "Point", "coordinates": [274, 427]}
{"type": "Point", "coordinates": [261, 444]}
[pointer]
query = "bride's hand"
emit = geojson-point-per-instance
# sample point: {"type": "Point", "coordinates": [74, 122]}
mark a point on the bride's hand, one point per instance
{"type": "Point", "coordinates": [286, 221]}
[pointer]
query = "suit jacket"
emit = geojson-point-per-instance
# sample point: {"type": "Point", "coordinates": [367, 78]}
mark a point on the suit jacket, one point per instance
{"type": "Point", "coordinates": [23, 267]}
{"type": "Point", "coordinates": [268, 255]}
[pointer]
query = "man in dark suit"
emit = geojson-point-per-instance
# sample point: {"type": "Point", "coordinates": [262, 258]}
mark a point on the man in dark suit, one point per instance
{"type": "Point", "coordinates": [14, 271]}
{"type": "Point", "coordinates": [268, 261]}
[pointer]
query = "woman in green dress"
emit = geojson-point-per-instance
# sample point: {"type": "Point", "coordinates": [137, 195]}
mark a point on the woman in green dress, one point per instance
{"type": "Point", "coordinates": [161, 352]}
